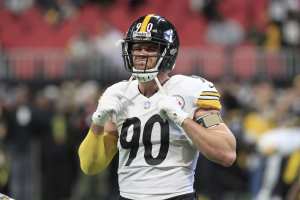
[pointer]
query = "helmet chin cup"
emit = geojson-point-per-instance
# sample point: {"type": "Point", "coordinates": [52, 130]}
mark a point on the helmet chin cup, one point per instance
{"type": "Point", "coordinates": [144, 77]}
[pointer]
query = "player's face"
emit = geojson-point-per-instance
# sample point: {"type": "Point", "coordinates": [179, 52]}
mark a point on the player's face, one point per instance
{"type": "Point", "coordinates": [145, 55]}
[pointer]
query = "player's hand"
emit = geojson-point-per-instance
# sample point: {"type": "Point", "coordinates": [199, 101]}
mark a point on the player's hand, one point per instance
{"type": "Point", "coordinates": [170, 107]}
{"type": "Point", "coordinates": [107, 106]}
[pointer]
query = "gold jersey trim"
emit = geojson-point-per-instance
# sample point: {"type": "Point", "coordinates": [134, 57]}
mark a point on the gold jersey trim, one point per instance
{"type": "Point", "coordinates": [209, 104]}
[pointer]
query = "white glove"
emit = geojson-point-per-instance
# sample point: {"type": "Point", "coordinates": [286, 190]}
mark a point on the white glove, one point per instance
{"type": "Point", "coordinates": [170, 107]}
{"type": "Point", "coordinates": [2, 196]}
{"type": "Point", "coordinates": [107, 106]}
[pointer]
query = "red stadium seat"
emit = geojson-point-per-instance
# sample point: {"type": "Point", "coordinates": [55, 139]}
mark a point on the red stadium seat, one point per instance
{"type": "Point", "coordinates": [118, 16]}
{"type": "Point", "coordinates": [184, 62]}
{"type": "Point", "coordinates": [244, 62]}
{"type": "Point", "coordinates": [275, 64]}
{"type": "Point", "coordinates": [191, 33]}
{"type": "Point", "coordinates": [213, 60]}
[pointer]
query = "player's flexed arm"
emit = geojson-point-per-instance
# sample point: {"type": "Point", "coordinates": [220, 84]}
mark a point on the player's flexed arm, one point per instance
{"type": "Point", "coordinates": [217, 142]}
{"type": "Point", "coordinates": [206, 130]}
{"type": "Point", "coordinates": [100, 145]}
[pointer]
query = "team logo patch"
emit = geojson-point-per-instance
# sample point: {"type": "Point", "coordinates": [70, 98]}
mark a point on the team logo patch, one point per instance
{"type": "Point", "coordinates": [168, 35]}
{"type": "Point", "coordinates": [180, 100]}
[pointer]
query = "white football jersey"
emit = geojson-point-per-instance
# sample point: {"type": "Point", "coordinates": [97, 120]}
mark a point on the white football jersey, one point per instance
{"type": "Point", "coordinates": [156, 158]}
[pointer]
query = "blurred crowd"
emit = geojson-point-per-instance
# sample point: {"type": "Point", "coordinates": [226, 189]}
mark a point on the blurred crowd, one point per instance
{"type": "Point", "coordinates": [279, 24]}
{"type": "Point", "coordinates": [272, 24]}
{"type": "Point", "coordinates": [41, 128]}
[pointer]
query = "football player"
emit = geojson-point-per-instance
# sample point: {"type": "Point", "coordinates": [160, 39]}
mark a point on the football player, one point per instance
{"type": "Point", "coordinates": [158, 123]}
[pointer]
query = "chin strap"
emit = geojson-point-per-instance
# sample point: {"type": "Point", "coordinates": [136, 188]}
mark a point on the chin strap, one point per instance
{"type": "Point", "coordinates": [129, 81]}
{"type": "Point", "coordinates": [161, 89]}
{"type": "Point", "coordinates": [145, 77]}
{"type": "Point", "coordinates": [113, 116]}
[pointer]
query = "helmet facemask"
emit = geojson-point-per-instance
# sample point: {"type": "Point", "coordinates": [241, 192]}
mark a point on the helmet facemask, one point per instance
{"type": "Point", "coordinates": [144, 74]}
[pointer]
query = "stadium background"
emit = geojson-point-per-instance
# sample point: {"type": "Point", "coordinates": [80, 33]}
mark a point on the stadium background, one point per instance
{"type": "Point", "coordinates": [56, 56]}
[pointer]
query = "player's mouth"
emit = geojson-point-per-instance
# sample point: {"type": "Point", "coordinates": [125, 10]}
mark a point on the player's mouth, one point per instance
{"type": "Point", "coordinates": [140, 61]}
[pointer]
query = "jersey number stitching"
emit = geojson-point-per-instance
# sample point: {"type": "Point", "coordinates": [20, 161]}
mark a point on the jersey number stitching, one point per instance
{"type": "Point", "coordinates": [133, 145]}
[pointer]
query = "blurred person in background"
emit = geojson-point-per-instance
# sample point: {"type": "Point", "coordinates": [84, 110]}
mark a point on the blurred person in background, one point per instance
{"type": "Point", "coordinates": [43, 115]}
{"type": "Point", "coordinates": [80, 49]}
{"type": "Point", "coordinates": [102, 186]}
{"type": "Point", "coordinates": [273, 37]}
{"type": "Point", "coordinates": [223, 31]}
{"type": "Point", "coordinates": [184, 110]}
{"type": "Point", "coordinates": [259, 120]}
{"type": "Point", "coordinates": [285, 16]}
{"type": "Point", "coordinates": [4, 67]}
{"type": "Point", "coordinates": [58, 11]}
{"type": "Point", "coordinates": [221, 188]}
{"type": "Point", "coordinates": [18, 6]}
{"type": "Point", "coordinates": [209, 8]}
{"type": "Point", "coordinates": [279, 146]}
{"type": "Point", "coordinates": [291, 30]}
{"type": "Point", "coordinates": [20, 132]}
{"type": "Point", "coordinates": [56, 179]}
{"type": "Point", "coordinates": [4, 161]}
{"type": "Point", "coordinates": [106, 47]}
{"type": "Point", "coordinates": [294, 193]}
{"type": "Point", "coordinates": [134, 4]}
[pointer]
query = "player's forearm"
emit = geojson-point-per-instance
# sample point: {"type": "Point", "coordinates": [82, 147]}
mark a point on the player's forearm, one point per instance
{"type": "Point", "coordinates": [216, 143]}
{"type": "Point", "coordinates": [97, 150]}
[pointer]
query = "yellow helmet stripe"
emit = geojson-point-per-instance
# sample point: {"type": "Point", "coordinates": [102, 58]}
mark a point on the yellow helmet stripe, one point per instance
{"type": "Point", "coordinates": [145, 23]}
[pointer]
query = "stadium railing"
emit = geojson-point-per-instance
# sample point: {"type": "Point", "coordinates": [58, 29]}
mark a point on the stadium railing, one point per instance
{"type": "Point", "coordinates": [214, 63]}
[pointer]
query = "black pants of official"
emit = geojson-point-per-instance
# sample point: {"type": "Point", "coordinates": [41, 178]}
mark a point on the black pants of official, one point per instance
{"type": "Point", "coordinates": [190, 196]}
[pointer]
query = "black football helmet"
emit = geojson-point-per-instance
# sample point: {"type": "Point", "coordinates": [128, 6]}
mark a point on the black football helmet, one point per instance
{"type": "Point", "coordinates": [151, 29]}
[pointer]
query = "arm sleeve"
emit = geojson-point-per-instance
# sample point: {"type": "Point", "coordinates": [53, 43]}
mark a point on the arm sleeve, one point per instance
{"type": "Point", "coordinates": [96, 152]}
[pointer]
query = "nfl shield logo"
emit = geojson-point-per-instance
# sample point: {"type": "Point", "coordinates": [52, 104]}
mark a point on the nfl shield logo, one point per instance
{"type": "Point", "coordinates": [168, 35]}
{"type": "Point", "coordinates": [147, 104]}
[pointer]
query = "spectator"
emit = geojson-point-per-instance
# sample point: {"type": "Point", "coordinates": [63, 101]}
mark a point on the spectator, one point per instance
{"type": "Point", "coordinates": [278, 10]}
{"type": "Point", "coordinates": [80, 51]}
{"type": "Point", "coordinates": [18, 6]}
{"type": "Point", "coordinates": [134, 4]}
{"type": "Point", "coordinates": [256, 123]}
{"type": "Point", "coordinates": [291, 30]}
{"type": "Point", "coordinates": [20, 135]}
{"type": "Point", "coordinates": [107, 46]}
{"type": "Point", "coordinates": [3, 62]}
{"type": "Point", "coordinates": [224, 32]}
{"type": "Point", "coordinates": [273, 37]}
{"type": "Point", "coordinates": [209, 8]}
